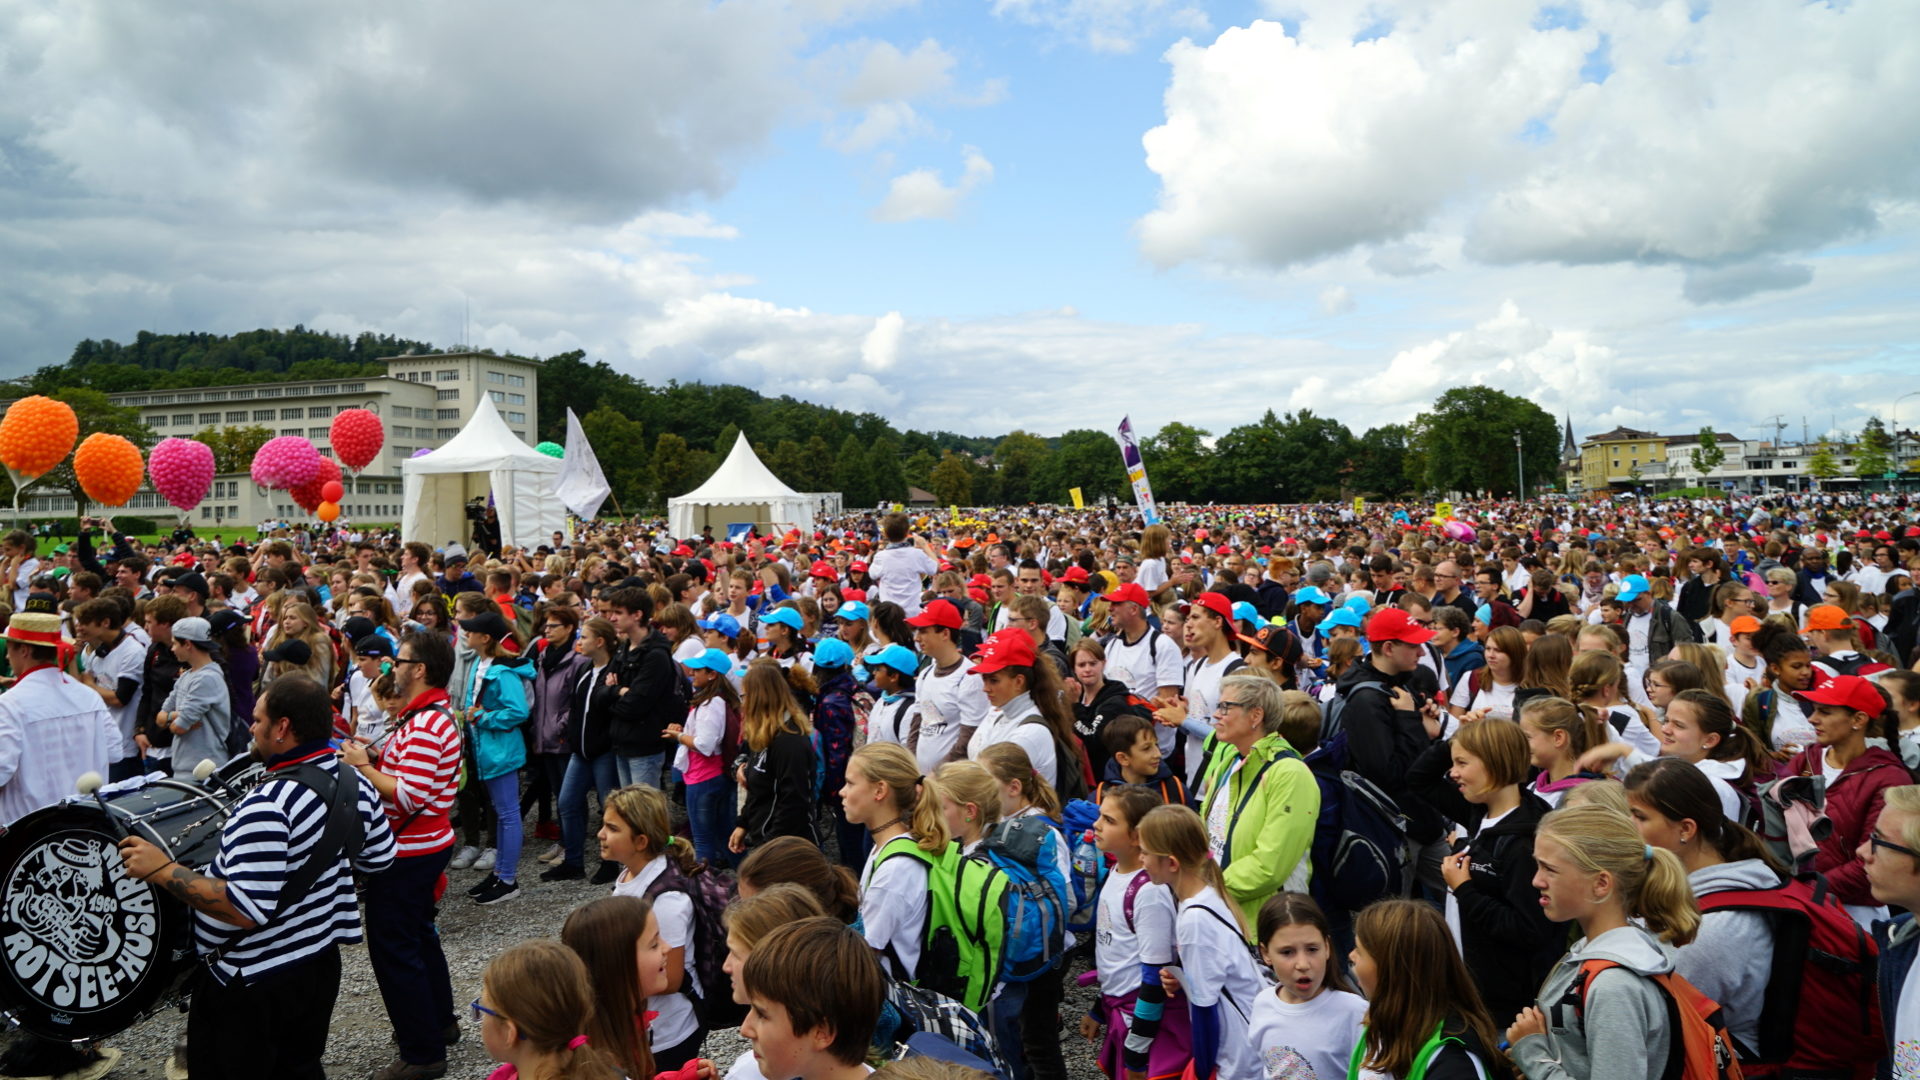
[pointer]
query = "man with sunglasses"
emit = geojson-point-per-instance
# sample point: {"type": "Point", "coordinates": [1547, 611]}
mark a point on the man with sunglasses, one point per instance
{"type": "Point", "coordinates": [1891, 856]}
{"type": "Point", "coordinates": [416, 770]}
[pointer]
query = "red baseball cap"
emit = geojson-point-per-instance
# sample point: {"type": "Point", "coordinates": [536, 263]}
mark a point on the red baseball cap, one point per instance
{"type": "Point", "coordinates": [1132, 593]}
{"type": "Point", "coordinates": [823, 568]}
{"type": "Point", "coordinates": [979, 581]}
{"type": "Point", "coordinates": [853, 594]}
{"type": "Point", "coordinates": [1848, 692]}
{"type": "Point", "coordinates": [682, 552]}
{"type": "Point", "coordinates": [857, 567]}
{"type": "Point", "coordinates": [937, 613]}
{"type": "Point", "coordinates": [1393, 624]}
{"type": "Point", "coordinates": [1074, 575]}
{"type": "Point", "coordinates": [1012, 647]}
{"type": "Point", "coordinates": [1217, 604]}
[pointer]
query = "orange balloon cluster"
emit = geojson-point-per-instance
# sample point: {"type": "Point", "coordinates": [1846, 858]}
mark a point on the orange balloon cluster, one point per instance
{"type": "Point", "coordinates": [36, 435]}
{"type": "Point", "coordinates": [109, 468]}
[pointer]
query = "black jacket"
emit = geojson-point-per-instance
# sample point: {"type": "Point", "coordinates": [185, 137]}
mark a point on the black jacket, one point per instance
{"type": "Point", "coordinates": [1270, 598]}
{"type": "Point", "coordinates": [646, 699]}
{"type": "Point", "coordinates": [1091, 720]}
{"type": "Point", "coordinates": [590, 725]}
{"type": "Point", "coordinates": [779, 790]}
{"type": "Point", "coordinates": [1382, 742]}
{"type": "Point", "coordinates": [157, 675]}
{"type": "Point", "coordinates": [1509, 943]}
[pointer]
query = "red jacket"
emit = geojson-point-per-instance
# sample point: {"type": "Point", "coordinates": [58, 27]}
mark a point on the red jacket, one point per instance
{"type": "Point", "coordinates": [1853, 805]}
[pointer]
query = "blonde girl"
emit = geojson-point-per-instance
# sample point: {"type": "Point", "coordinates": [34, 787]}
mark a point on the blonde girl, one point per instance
{"type": "Point", "coordinates": [1634, 909]}
{"type": "Point", "coordinates": [777, 770]}
{"type": "Point", "coordinates": [886, 793]}
{"type": "Point", "coordinates": [534, 1009]}
{"type": "Point", "coordinates": [1132, 943]}
{"type": "Point", "coordinates": [1311, 1017]}
{"type": "Point", "coordinates": [969, 801]}
{"type": "Point", "coordinates": [747, 920]}
{"type": "Point", "coordinates": [636, 832]}
{"type": "Point", "coordinates": [1424, 1016]}
{"type": "Point", "coordinates": [297, 621]}
{"type": "Point", "coordinates": [1217, 975]}
{"type": "Point", "coordinates": [1558, 733]}
{"type": "Point", "coordinates": [1025, 793]}
{"type": "Point", "coordinates": [1599, 683]}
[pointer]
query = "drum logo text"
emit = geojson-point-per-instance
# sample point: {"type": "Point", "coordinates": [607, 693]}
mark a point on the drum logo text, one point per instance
{"type": "Point", "coordinates": [81, 933]}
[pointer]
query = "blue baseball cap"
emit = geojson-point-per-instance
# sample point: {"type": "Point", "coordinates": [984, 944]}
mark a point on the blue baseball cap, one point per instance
{"type": "Point", "coordinates": [832, 653]}
{"type": "Point", "coordinates": [898, 657]}
{"type": "Point", "coordinates": [712, 660]}
{"type": "Point", "coordinates": [1341, 617]}
{"type": "Point", "coordinates": [1245, 612]}
{"type": "Point", "coordinates": [723, 622]}
{"type": "Point", "coordinates": [1632, 587]}
{"type": "Point", "coordinates": [1483, 613]}
{"type": "Point", "coordinates": [1312, 594]}
{"type": "Point", "coordinates": [785, 616]}
{"type": "Point", "coordinates": [1358, 603]}
{"type": "Point", "coordinates": [851, 610]}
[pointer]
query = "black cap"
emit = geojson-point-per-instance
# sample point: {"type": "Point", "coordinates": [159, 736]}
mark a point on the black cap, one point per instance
{"type": "Point", "coordinates": [193, 580]}
{"type": "Point", "coordinates": [43, 602]}
{"type": "Point", "coordinates": [489, 623]}
{"type": "Point", "coordinates": [224, 620]}
{"type": "Point", "coordinates": [292, 651]}
{"type": "Point", "coordinates": [373, 645]}
{"type": "Point", "coordinates": [357, 627]}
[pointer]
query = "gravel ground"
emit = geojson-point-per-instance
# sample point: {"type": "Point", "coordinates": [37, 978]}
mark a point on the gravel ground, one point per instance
{"type": "Point", "coordinates": [362, 1038]}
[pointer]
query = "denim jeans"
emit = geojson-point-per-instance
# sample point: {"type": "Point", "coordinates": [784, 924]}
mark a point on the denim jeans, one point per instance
{"type": "Point", "coordinates": [504, 792]}
{"type": "Point", "coordinates": [1002, 1015]}
{"type": "Point", "coordinates": [710, 817]}
{"type": "Point", "coordinates": [408, 962]}
{"type": "Point", "coordinates": [641, 770]}
{"type": "Point", "coordinates": [601, 773]}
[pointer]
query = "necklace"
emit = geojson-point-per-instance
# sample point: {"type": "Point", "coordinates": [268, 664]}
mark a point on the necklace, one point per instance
{"type": "Point", "coordinates": [885, 825]}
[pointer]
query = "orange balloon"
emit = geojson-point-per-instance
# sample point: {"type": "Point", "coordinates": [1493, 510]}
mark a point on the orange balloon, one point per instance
{"type": "Point", "coordinates": [37, 434]}
{"type": "Point", "coordinates": [109, 468]}
{"type": "Point", "coordinates": [327, 511]}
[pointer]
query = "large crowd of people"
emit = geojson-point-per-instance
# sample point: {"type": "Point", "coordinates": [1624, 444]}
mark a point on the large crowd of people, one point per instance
{"type": "Point", "coordinates": [1574, 790]}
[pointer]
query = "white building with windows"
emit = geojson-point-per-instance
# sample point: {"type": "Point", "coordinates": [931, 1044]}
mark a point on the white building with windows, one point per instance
{"type": "Point", "coordinates": [423, 401]}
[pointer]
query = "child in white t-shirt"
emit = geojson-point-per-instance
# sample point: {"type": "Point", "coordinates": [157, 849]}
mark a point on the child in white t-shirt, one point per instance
{"type": "Point", "coordinates": [634, 832]}
{"type": "Point", "coordinates": [1133, 941]}
{"type": "Point", "coordinates": [1306, 1027]}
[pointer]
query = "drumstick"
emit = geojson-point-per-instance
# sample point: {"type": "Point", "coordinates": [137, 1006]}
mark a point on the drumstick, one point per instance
{"type": "Point", "coordinates": [90, 783]}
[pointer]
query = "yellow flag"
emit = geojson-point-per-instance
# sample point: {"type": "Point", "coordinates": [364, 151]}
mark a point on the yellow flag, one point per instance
{"type": "Point", "coordinates": [1359, 505]}
{"type": "Point", "coordinates": [1443, 510]}
{"type": "Point", "coordinates": [1079, 503]}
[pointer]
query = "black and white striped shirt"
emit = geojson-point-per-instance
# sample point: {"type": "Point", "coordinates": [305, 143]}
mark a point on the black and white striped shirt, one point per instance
{"type": "Point", "coordinates": [268, 837]}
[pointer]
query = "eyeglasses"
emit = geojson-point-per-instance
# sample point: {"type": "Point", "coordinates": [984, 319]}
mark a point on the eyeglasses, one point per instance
{"type": "Point", "coordinates": [480, 1010]}
{"type": "Point", "coordinates": [405, 660]}
{"type": "Point", "coordinates": [1876, 842]}
{"type": "Point", "coordinates": [1224, 704]}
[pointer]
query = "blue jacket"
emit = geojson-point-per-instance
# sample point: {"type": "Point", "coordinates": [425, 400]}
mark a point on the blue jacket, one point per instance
{"type": "Point", "coordinates": [502, 708]}
{"type": "Point", "coordinates": [1898, 940]}
{"type": "Point", "coordinates": [1465, 657]}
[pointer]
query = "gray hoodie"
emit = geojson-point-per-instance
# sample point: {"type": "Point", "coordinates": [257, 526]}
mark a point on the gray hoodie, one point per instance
{"type": "Point", "coordinates": [1731, 958]}
{"type": "Point", "coordinates": [1622, 1032]}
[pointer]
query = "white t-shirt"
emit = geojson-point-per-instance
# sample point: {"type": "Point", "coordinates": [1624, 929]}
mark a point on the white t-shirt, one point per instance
{"type": "Point", "coordinates": [1217, 969]}
{"type": "Point", "coordinates": [1639, 632]}
{"type": "Point", "coordinates": [126, 661]}
{"type": "Point", "coordinates": [1495, 697]}
{"type": "Point", "coordinates": [948, 703]}
{"type": "Point", "coordinates": [1222, 809]}
{"type": "Point", "coordinates": [1152, 575]}
{"type": "Point", "coordinates": [676, 1021]}
{"type": "Point", "coordinates": [1012, 724]}
{"type": "Point", "coordinates": [1313, 1041]}
{"type": "Point", "coordinates": [899, 574]}
{"type": "Point", "coordinates": [1791, 728]}
{"type": "Point", "coordinates": [893, 908]}
{"type": "Point", "coordinates": [1154, 661]}
{"type": "Point", "coordinates": [1120, 949]}
{"type": "Point", "coordinates": [23, 583]}
{"type": "Point", "coordinates": [688, 649]}
{"type": "Point", "coordinates": [1203, 693]}
{"type": "Point", "coordinates": [892, 721]}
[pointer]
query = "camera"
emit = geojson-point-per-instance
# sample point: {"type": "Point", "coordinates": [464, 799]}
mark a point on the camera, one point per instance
{"type": "Point", "coordinates": [476, 509]}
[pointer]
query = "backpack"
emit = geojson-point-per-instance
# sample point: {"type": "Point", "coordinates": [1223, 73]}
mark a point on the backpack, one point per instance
{"type": "Point", "coordinates": [1089, 865]}
{"type": "Point", "coordinates": [960, 953]}
{"type": "Point", "coordinates": [1793, 819]}
{"type": "Point", "coordinates": [1034, 900]}
{"type": "Point", "coordinates": [1700, 1048]}
{"type": "Point", "coordinates": [1359, 846]}
{"type": "Point", "coordinates": [1858, 664]}
{"type": "Point", "coordinates": [1332, 724]}
{"type": "Point", "coordinates": [1422, 1058]}
{"type": "Point", "coordinates": [711, 890]}
{"type": "Point", "coordinates": [1070, 767]}
{"type": "Point", "coordinates": [916, 1022]}
{"type": "Point", "coordinates": [1821, 1013]}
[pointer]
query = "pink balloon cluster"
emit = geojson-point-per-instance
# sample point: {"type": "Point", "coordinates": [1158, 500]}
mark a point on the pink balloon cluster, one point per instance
{"type": "Point", "coordinates": [285, 462]}
{"type": "Point", "coordinates": [182, 471]}
{"type": "Point", "coordinates": [357, 436]}
{"type": "Point", "coordinates": [1458, 530]}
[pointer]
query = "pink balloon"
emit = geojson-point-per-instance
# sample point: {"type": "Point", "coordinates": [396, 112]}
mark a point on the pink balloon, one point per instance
{"type": "Point", "coordinates": [285, 462]}
{"type": "Point", "coordinates": [181, 471]}
{"type": "Point", "coordinates": [1459, 530]}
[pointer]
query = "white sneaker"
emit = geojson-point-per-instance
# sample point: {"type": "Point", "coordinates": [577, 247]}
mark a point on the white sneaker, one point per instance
{"type": "Point", "coordinates": [486, 860]}
{"type": "Point", "coordinates": [464, 858]}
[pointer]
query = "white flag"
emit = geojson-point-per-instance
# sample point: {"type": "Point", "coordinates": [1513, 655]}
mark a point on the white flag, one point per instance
{"type": "Point", "coordinates": [582, 486]}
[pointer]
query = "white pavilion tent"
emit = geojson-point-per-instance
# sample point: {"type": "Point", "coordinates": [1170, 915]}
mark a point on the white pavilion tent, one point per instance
{"type": "Point", "coordinates": [486, 458]}
{"type": "Point", "coordinates": [742, 490]}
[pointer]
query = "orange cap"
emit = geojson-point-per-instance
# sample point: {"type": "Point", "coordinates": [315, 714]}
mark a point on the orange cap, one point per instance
{"type": "Point", "coordinates": [1826, 617]}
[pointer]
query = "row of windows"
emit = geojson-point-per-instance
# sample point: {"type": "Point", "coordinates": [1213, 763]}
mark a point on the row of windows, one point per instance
{"type": "Point", "coordinates": [506, 379]}
{"type": "Point", "coordinates": [447, 395]}
{"type": "Point", "coordinates": [501, 397]}
{"type": "Point", "coordinates": [188, 397]}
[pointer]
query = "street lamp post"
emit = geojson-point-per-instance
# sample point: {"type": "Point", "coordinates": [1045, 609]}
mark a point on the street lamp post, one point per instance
{"type": "Point", "coordinates": [1520, 465]}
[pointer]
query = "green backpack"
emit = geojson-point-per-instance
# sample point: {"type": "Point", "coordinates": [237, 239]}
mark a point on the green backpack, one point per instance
{"type": "Point", "coordinates": [966, 927]}
{"type": "Point", "coordinates": [1421, 1060]}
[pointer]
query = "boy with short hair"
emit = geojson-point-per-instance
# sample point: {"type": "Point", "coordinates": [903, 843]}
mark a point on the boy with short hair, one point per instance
{"type": "Point", "coordinates": [813, 990]}
{"type": "Point", "coordinates": [1136, 758]}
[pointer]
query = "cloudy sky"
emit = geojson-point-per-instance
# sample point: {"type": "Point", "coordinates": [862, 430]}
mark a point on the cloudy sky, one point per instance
{"type": "Point", "coordinates": [982, 214]}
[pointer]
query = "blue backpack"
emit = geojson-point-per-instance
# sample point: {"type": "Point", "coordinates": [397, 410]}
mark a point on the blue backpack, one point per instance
{"type": "Point", "coordinates": [1088, 863]}
{"type": "Point", "coordinates": [1023, 850]}
{"type": "Point", "coordinates": [1359, 848]}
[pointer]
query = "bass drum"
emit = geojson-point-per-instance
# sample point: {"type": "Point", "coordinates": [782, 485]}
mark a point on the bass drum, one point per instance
{"type": "Point", "coordinates": [85, 950]}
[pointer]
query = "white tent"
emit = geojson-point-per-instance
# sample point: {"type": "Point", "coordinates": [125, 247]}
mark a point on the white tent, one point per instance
{"type": "Point", "coordinates": [486, 458]}
{"type": "Point", "coordinates": [741, 490]}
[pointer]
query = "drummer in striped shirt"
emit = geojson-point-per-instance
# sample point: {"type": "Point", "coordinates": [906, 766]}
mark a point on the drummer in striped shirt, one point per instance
{"type": "Point", "coordinates": [273, 960]}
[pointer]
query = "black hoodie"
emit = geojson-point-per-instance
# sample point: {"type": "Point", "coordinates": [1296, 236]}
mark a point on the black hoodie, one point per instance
{"type": "Point", "coordinates": [646, 700]}
{"type": "Point", "coordinates": [1382, 741]}
{"type": "Point", "coordinates": [1090, 720]}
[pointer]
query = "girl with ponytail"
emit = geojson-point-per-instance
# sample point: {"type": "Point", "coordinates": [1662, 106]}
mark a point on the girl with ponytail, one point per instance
{"type": "Point", "coordinates": [534, 1009]}
{"type": "Point", "coordinates": [1217, 974]}
{"type": "Point", "coordinates": [1594, 869]}
{"type": "Point", "coordinates": [1599, 684]}
{"type": "Point", "coordinates": [1025, 793]}
{"type": "Point", "coordinates": [635, 831]}
{"type": "Point", "coordinates": [1699, 729]}
{"type": "Point", "coordinates": [886, 793]}
{"type": "Point", "coordinates": [1677, 808]}
{"type": "Point", "coordinates": [1774, 711]}
{"type": "Point", "coordinates": [1558, 733]}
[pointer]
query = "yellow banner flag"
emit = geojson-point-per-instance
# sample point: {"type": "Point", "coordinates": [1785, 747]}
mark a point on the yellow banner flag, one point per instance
{"type": "Point", "coordinates": [1079, 503]}
{"type": "Point", "coordinates": [1359, 505]}
{"type": "Point", "coordinates": [1443, 510]}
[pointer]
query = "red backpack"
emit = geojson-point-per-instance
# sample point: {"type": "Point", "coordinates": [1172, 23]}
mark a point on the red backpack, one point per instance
{"type": "Point", "coordinates": [1699, 1047]}
{"type": "Point", "coordinates": [1821, 1013]}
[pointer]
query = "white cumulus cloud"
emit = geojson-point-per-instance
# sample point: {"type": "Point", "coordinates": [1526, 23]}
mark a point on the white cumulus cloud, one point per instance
{"type": "Point", "coordinates": [882, 346]}
{"type": "Point", "coordinates": [922, 194]}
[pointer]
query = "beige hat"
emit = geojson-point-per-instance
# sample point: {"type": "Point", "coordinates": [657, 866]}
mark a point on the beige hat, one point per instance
{"type": "Point", "coordinates": [34, 628]}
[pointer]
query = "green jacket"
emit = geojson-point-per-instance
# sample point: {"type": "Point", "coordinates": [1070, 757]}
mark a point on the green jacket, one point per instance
{"type": "Point", "coordinates": [1272, 804]}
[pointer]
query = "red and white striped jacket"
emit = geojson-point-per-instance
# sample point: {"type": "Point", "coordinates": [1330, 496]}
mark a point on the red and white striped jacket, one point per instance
{"type": "Point", "coordinates": [423, 755]}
